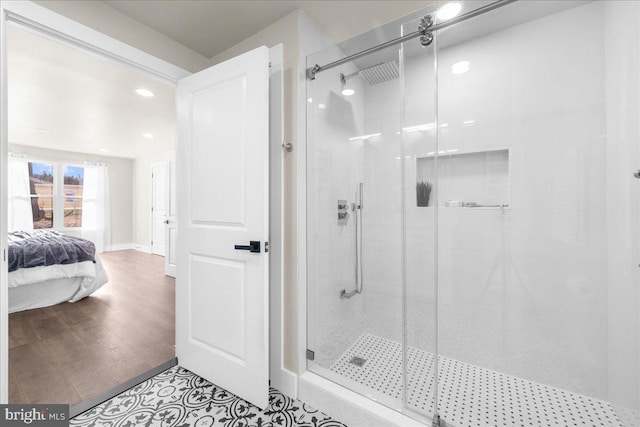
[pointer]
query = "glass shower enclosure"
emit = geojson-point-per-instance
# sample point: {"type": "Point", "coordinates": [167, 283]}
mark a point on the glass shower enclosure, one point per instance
{"type": "Point", "coordinates": [473, 213]}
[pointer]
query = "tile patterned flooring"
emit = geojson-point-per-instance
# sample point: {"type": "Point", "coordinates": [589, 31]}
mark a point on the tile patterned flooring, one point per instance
{"type": "Point", "coordinates": [179, 398]}
{"type": "Point", "coordinates": [470, 395]}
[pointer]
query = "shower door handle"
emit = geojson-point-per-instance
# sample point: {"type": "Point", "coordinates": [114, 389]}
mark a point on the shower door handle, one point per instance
{"type": "Point", "coordinates": [254, 247]}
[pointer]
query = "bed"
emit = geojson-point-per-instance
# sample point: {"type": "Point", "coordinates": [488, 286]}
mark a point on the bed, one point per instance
{"type": "Point", "coordinates": [47, 267]}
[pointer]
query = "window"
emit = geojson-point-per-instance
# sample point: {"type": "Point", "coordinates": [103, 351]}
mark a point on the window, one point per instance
{"type": "Point", "coordinates": [73, 185]}
{"type": "Point", "coordinates": [41, 190]}
{"type": "Point", "coordinates": [56, 195]}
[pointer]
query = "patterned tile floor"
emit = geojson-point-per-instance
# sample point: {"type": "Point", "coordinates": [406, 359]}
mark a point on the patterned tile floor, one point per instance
{"type": "Point", "coordinates": [179, 398]}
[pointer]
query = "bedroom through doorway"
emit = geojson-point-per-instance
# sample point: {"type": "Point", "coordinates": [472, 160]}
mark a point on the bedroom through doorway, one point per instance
{"type": "Point", "coordinates": [90, 303]}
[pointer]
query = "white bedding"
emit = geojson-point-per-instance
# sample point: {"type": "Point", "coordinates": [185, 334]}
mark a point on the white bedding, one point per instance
{"type": "Point", "coordinates": [44, 286]}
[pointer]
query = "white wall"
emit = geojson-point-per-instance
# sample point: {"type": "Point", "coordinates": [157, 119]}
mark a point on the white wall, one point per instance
{"type": "Point", "coordinates": [120, 179]}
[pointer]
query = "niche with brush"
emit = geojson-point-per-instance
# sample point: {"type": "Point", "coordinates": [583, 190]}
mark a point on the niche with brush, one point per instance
{"type": "Point", "coordinates": [478, 179]}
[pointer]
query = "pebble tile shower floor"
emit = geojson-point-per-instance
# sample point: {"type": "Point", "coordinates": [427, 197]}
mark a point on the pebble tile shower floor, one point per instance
{"type": "Point", "coordinates": [470, 395]}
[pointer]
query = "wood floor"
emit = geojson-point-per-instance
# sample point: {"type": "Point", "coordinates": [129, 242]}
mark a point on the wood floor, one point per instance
{"type": "Point", "coordinates": [71, 352]}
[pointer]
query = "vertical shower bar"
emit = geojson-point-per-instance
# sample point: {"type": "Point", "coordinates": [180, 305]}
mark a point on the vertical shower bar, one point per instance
{"type": "Point", "coordinates": [356, 207]}
{"type": "Point", "coordinates": [359, 259]}
{"type": "Point", "coordinates": [403, 246]}
{"type": "Point", "coordinates": [436, 416]}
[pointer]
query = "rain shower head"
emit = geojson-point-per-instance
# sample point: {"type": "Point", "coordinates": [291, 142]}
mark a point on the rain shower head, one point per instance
{"type": "Point", "coordinates": [380, 73]}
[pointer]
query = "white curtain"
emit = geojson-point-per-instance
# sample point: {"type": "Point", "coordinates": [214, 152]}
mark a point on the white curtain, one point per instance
{"type": "Point", "coordinates": [20, 215]}
{"type": "Point", "coordinates": [96, 218]}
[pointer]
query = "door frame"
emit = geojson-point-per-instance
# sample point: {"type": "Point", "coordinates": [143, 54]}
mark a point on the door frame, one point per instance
{"type": "Point", "coordinates": [46, 22]}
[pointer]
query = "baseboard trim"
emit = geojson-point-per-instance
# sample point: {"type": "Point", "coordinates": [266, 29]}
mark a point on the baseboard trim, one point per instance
{"type": "Point", "coordinates": [285, 381]}
{"type": "Point", "coordinates": [81, 407]}
{"type": "Point", "coordinates": [119, 247]}
{"type": "Point", "coordinates": [145, 249]}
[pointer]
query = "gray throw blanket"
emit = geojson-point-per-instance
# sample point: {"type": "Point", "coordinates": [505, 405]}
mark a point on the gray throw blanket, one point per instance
{"type": "Point", "coordinates": [45, 247]}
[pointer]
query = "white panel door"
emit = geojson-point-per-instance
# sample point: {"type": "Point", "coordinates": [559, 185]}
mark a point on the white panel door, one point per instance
{"type": "Point", "coordinates": [170, 234]}
{"type": "Point", "coordinates": [222, 292]}
{"type": "Point", "coordinates": [159, 202]}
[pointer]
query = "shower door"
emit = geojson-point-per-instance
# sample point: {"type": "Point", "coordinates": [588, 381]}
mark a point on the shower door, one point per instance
{"type": "Point", "coordinates": [360, 148]}
{"type": "Point", "coordinates": [538, 216]}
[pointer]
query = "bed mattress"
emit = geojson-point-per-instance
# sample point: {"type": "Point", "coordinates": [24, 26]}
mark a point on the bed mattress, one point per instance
{"type": "Point", "coordinates": [47, 285]}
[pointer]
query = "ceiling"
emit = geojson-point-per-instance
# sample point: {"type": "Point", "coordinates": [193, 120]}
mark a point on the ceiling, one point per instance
{"type": "Point", "coordinates": [211, 27]}
{"type": "Point", "coordinates": [64, 98]}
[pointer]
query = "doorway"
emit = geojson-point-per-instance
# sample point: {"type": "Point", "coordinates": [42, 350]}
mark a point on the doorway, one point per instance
{"type": "Point", "coordinates": [80, 155]}
{"type": "Point", "coordinates": [58, 27]}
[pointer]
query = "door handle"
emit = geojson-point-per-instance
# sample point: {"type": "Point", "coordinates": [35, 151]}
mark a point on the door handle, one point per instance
{"type": "Point", "coordinates": [166, 221]}
{"type": "Point", "coordinates": [254, 246]}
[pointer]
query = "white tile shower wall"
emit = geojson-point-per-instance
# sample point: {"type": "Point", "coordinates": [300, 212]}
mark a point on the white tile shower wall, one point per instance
{"type": "Point", "coordinates": [334, 171]}
{"type": "Point", "coordinates": [523, 291]}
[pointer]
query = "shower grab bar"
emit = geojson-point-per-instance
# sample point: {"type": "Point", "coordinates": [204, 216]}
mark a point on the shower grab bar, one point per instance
{"type": "Point", "coordinates": [425, 29]}
{"type": "Point", "coordinates": [357, 207]}
{"type": "Point", "coordinates": [477, 205]}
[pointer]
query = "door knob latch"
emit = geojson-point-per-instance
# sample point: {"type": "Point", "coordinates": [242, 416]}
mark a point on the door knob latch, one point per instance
{"type": "Point", "coordinates": [254, 246]}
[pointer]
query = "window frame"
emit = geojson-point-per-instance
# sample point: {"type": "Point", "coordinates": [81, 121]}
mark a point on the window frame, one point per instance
{"type": "Point", "coordinates": [58, 195]}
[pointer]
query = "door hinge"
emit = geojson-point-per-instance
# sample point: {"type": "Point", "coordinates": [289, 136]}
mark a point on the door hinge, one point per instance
{"type": "Point", "coordinates": [266, 246]}
{"type": "Point", "coordinates": [4, 254]}
{"type": "Point", "coordinates": [310, 355]}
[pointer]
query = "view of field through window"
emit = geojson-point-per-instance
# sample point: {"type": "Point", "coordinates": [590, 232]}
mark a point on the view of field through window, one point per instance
{"type": "Point", "coordinates": [44, 198]}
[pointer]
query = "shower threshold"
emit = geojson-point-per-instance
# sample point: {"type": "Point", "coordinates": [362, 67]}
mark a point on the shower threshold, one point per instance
{"type": "Point", "coordinates": [470, 395]}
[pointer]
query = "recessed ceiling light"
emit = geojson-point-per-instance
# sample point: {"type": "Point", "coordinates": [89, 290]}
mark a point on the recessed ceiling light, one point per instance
{"type": "Point", "coordinates": [322, 106]}
{"type": "Point", "coordinates": [147, 135]}
{"type": "Point", "coordinates": [449, 10]}
{"type": "Point", "coordinates": [348, 92]}
{"type": "Point", "coordinates": [103, 150]}
{"type": "Point", "coordinates": [144, 92]}
{"type": "Point", "coordinates": [309, 100]}
{"type": "Point", "coordinates": [460, 67]}
{"type": "Point", "coordinates": [41, 130]}
{"type": "Point", "coordinates": [468, 123]}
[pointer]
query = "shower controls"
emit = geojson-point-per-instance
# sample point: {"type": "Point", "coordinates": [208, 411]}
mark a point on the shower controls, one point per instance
{"type": "Point", "coordinates": [636, 174]}
{"type": "Point", "coordinates": [343, 212]}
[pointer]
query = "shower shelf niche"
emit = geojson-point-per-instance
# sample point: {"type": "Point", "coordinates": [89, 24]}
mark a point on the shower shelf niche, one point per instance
{"type": "Point", "coordinates": [466, 177]}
